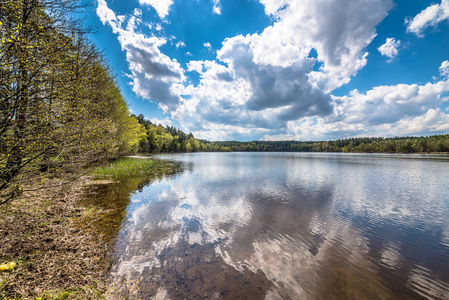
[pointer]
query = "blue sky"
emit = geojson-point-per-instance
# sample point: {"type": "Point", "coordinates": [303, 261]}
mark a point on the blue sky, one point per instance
{"type": "Point", "coordinates": [281, 69]}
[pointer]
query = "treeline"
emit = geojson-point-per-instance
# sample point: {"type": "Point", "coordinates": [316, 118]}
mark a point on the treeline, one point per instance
{"type": "Point", "coordinates": [436, 143]}
{"type": "Point", "coordinates": [60, 105]}
{"type": "Point", "coordinates": [159, 139]}
{"type": "Point", "coordinates": [170, 139]}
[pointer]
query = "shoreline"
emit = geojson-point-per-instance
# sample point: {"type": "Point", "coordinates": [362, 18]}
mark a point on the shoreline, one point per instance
{"type": "Point", "coordinates": [58, 236]}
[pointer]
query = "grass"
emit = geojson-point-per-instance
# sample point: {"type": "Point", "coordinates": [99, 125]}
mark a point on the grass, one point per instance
{"type": "Point", "coordinates": [124, 167]}
{"type": "Point", "coordinates": [81, 293]}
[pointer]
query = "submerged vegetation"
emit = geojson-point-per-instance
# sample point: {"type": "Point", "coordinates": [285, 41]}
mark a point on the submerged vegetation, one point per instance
{"type": "Point", "coordinates": [54, 242]}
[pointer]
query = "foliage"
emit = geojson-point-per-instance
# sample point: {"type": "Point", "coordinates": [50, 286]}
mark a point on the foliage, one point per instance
{"type": "Point", "coordinates": [60, 106]}
{"type": "Point", "coordinates": [169, 139]}
{"type": "Point", "coordinates": [431, 144]}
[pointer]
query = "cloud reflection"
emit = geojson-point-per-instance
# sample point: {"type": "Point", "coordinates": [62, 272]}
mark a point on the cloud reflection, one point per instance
{"type": "Point", "coordinates": [306, 225]}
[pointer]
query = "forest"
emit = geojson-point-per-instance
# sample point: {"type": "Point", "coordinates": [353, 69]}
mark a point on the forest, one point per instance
{"type": "Point", "coordinates": [170, 139]}
{"type": "Point", "coordinates": [430, 144]}
{"type": "Point", "coordinates": [159, 139]}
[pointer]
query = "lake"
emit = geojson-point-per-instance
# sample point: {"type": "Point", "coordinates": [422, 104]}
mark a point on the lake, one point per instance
{"type": "Point", "coordinates": [288, 226]}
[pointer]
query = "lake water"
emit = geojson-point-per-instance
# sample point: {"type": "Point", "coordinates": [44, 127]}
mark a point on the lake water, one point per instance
{"type": "Point", "coordinates": [289, 226]}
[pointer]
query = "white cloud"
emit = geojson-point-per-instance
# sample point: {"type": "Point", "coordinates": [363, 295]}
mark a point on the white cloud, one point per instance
{"type": "Point", "coordinates": [383, 111]}
{"type": "Point", "coordinates": [429, 17]}
{"type": "Point", "coordinates": [284, 87]}
{"type": "Point", "coordinates": [152, 72]}
{"type": "Point", "coordinates": [106, 14]}
{"type": "Point", "coordinates": [390, 48]}
{"type": "Point", "coordinates": [272, 8]}
{"type": "Point", "coordinates": [434, 120]}
{"type": "Point", "coordinates": [180, 44]}
{"type": "Point", "coordinates": [164, 122]}
{"type": "Point", "coordinates": [339, 31]}
{"type": "Point", "coordinates": [208, 46]}
{"type": "Point", "coordinates": [162, 7]}
{"type": "Point", "coordinates": [389, 104]}
{"type": "Point", "coordinates": [217, 7]}
{"type": "Point", "coordinates": [444, 68]}
{"type": "Point", "coordinates": [137, 12]}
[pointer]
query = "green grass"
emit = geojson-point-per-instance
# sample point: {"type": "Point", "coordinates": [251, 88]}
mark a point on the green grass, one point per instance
{"type": "Point", "coordinates": [125, 167]}
{"type": "Point", "coordinates": [80, 293]}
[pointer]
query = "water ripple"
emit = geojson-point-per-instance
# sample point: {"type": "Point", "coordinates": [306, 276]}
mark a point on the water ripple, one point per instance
{"type": "Point", "coordinates": [292, 226]}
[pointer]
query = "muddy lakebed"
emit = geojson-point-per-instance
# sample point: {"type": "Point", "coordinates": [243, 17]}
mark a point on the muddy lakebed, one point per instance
{"type": "Point", "coordinates": [281, 226]}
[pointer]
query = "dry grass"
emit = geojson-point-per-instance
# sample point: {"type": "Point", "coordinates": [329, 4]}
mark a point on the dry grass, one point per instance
{"type": "Point", "coordinates": [54, 259]}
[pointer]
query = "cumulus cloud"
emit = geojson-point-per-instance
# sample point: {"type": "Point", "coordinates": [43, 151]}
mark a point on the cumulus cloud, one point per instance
{"type": "Point", "coordinates": [339, 31]}
{"type": "Point", "coordinates": [429, 17]}
{"type": "Point", "coordinates": [106, 14]}
{"type": "Point", "coordinates": [261, 82]}
{"type": "Point", "coordinates": [287, 88]}
{"type": "Point", "coordinates": [180, 44]}
{"type": "Point", "coordinates": [434, 120]}
{"type": "Point", "coordinates": [247, 98]}
{"type": "Point", "coordinates": [162, 7]}
{"type": "Point", "coordinates": [389, 104]}
{"type": "Point", "coordinates": [390, 48]}
{"type": "Point", "coordinates": [152, 72]}
{"type": "Point", "coordinates": [272, 8]}
{"type": "Point", "coordinates": [216, 108]}
{"type": "Point", "coordinates": [383, 111]}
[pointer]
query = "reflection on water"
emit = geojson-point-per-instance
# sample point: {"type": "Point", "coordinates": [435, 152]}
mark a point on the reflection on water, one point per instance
{"type": "Point", "coordinates": [289, 226]}
{"type": "Point", "coordinates": [106, 201]}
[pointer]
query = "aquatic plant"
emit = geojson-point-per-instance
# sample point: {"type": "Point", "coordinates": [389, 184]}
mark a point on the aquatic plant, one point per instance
{"type": "Point", "coordinates": [125, 167]}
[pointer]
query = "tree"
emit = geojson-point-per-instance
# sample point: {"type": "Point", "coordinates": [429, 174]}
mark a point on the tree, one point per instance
{"type": "Point", "coordinates": [60, 106]}
{"type": "Point", "coordinates": [32, 41]}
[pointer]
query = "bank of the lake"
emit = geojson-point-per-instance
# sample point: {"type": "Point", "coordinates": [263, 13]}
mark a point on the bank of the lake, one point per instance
{"type": "Point", "coordinates": [54, 239]}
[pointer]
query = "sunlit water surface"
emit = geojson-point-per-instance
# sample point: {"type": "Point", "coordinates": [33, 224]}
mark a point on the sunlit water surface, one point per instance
{"type": "Point", "coordinates": [289, 226]}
